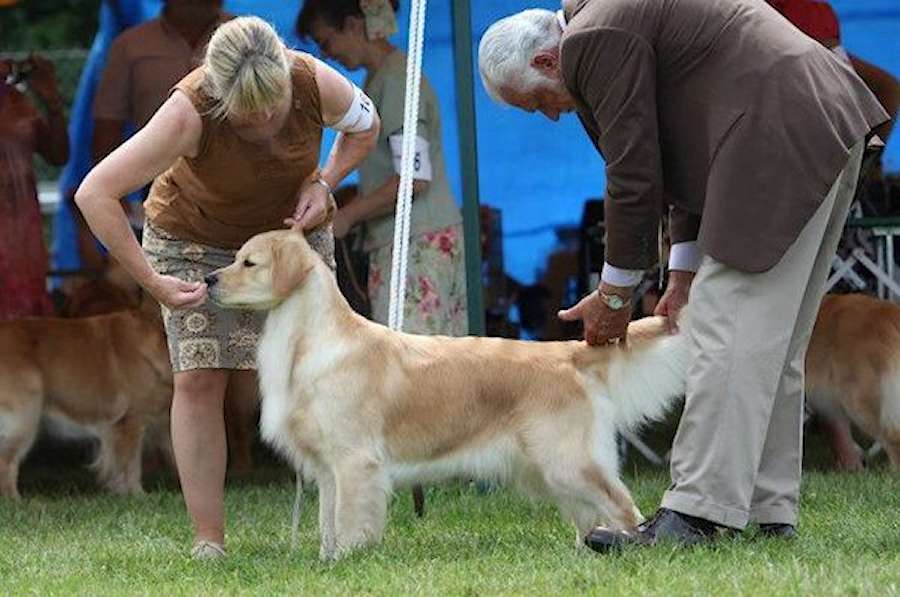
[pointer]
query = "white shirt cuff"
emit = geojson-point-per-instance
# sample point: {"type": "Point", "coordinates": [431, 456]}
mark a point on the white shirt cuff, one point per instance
{"type": "Point", "coordinates": [621, 277]}
{"type": "Point", "coordinates": [685, 257]}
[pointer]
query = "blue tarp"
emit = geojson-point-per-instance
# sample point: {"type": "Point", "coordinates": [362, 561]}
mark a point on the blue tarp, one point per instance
{"type": "Point", "coordinates": [537, 172]}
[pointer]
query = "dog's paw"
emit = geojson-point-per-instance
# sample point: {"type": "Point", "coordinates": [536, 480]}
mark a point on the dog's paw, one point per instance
{"type": "Point", "coordinates": [327, 554]}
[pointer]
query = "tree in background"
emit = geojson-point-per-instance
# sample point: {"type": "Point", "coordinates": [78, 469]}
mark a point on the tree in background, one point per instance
{"type": "Point", "coordinates": [47, 24]}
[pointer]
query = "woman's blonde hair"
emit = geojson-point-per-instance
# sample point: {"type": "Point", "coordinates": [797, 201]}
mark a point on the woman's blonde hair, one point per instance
{"type": "Point", "coordinates": [247, 68]}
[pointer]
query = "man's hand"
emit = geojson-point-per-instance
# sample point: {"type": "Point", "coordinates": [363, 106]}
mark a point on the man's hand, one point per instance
{"type": "Point", "coordinates": [674, 298]}
{"type": "Point", "coordinates": [314, 207]}
{"type": "Point", "coordinates": [602, 325]}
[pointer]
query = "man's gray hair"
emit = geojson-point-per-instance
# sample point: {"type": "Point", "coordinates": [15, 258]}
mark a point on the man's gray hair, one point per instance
{"type": "Point", "coordinates": [507, 47]}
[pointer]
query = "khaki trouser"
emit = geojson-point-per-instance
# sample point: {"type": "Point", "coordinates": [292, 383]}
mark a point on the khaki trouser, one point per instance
{"type": "Point", "coordinates": [738, 449]}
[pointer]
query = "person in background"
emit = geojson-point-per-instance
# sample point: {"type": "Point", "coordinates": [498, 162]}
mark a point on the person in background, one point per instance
{"type": "Point", "coordinates": [233, 151]}
{"type": "Point", "coordinates": [817, 19]}
{"type": "Point", "coordinates": [436, 284]}
{"type": "Point", "coordinates": [142, 65]}
{"type": "Point", "coordinates": [24, 131]}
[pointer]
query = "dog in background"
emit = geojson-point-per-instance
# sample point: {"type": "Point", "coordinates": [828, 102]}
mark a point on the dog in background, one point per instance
{"type": "Point", "coordinates": [115, 290]}
{"type": "Point", "coordinates": [853, 374]}
{"type": "Point", "coordinates": [106, 376]}
{"type": "Point", "coordinates": [362, 408]}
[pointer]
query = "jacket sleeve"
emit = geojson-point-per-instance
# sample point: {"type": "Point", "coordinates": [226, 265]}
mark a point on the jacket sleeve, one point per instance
{"type": "Point", "coordinates": [613, 72]}
{"type": "Point", "coordinates": [684, 226]}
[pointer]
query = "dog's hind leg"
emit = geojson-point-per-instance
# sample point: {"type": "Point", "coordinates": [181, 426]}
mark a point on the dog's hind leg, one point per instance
{"type": "Point", "coordinates": [892, 447]}
{"type": "Point", "coordinates": [586, 495]}
{"type": "Point", "coordinates": [362, 487]}
{"type": "Point", "coordinates": [848, 456]}
{"type": "Point", "coordinates": [18, 429]}
{"type": "Point", "coordinates": [889, 424]}
{"type": "Point", "coordinates": [119, 463]}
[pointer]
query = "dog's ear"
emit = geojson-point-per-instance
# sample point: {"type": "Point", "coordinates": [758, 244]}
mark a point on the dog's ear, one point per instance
{"type": "Point", "coordinates": [290, 264]}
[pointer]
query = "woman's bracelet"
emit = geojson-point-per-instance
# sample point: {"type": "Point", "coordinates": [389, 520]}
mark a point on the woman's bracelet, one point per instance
{"type": "Point", "coordinates": [332, 205]}
{"type": "Point", "coordinates": [325, 184]}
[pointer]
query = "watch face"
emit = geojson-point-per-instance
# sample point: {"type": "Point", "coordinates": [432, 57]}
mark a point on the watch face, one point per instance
{"type": "Point", "coordinates": [615, 302]}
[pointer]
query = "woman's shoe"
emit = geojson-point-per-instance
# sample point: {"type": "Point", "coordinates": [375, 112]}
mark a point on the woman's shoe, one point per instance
{"type": "Point", "coordinates": [207, 550]}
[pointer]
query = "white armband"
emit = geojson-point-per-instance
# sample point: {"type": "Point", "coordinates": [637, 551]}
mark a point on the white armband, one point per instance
{"type": "Point", "coordinates": [359, 115]}
{"type": "Point", "coordinates": [421, 161]}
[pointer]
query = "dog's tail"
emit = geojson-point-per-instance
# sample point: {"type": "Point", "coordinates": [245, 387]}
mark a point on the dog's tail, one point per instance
{"type": "Point", "coordinates": [643, 381]}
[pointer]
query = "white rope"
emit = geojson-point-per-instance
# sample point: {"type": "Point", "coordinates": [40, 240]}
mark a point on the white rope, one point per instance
{"type": "Point", "coordinates": [400, 254]}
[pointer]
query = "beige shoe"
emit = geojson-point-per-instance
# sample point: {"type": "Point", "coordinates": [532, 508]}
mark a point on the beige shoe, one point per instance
{"type": "Point", "coordinates": [207, 550]}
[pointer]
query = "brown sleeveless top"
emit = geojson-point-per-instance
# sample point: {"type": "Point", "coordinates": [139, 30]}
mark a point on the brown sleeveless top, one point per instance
{"type": "Point", "coordinates": [233, 189]}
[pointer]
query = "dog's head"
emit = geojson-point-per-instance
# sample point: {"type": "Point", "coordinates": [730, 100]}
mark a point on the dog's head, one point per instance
{"type": "Point", "coordinates": [266, 270]}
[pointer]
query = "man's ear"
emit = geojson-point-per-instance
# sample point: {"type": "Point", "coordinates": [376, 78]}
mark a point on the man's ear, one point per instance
{"type": "Point", "coordinates": [290, 265]}
{"type": "Point", "coordinates": [547, 62]}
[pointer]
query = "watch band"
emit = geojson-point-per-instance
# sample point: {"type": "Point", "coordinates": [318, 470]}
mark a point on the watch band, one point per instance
{"type": "Point", "coordinates": [332, 205]}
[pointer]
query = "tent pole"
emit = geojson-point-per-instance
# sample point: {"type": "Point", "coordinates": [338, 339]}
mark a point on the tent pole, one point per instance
{"type": "Point", "coordinates": [468, 161]}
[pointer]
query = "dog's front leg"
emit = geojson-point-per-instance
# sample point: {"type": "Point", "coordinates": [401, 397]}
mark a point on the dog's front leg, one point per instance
{"type": "Point", "coordinates": [327, 498]}
{"type": "Point", "coordinates": [361, 507]}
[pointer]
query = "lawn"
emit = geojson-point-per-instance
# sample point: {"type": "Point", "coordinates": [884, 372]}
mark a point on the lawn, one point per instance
{"type": "Point", "coordinates": [67, 538]}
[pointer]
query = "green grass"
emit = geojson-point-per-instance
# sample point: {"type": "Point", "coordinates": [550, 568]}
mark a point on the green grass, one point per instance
{"type": "Point", "coordinates": [67, 538]}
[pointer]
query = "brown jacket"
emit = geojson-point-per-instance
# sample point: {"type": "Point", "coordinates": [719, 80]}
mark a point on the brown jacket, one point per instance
{"type": "Point", "coordinates": [719, 108]}
{"type": "Point", "coordinates": [233, 189]}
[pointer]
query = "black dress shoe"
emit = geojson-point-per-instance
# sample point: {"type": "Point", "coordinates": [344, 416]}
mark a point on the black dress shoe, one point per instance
{"type": "Point", "coordinates": [664, 526]}
{"type": "Point", "coordinates": [779, 531]}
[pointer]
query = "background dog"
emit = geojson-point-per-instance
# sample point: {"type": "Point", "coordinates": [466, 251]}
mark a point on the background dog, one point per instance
{"type": "Point", "coordinates": [361, 408]}
{"type": "Point", "coordinates": [115, 291]}
{"type": "Point", "coordinates": [106, 376]}
{"type": "Point", "coordinates": [853, 374]}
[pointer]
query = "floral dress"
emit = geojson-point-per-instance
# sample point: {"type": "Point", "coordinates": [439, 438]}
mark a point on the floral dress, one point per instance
{"type": "Point", "coordinates": [435, 283]}
{"type": "Point", "coordinates": [23, 257]}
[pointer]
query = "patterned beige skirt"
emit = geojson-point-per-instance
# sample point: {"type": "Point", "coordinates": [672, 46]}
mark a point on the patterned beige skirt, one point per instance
{"type": "Point", "coordinates": [209, 336]}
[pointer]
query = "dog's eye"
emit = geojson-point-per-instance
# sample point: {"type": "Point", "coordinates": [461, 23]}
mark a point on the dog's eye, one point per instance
{"type": "Point", "coordinates": [248, 263]}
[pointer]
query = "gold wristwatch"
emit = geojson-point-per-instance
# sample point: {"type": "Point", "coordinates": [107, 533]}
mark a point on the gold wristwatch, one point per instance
{"type": "Point", "coordinates": [613, 301]}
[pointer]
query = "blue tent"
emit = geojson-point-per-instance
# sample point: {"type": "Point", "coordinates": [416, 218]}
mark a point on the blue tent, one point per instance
{"type": "Point", "coordinates": [537, 172]}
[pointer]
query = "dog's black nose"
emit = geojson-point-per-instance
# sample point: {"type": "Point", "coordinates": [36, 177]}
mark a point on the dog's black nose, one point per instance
{"type": "Point", "coordinates": [211, 280]}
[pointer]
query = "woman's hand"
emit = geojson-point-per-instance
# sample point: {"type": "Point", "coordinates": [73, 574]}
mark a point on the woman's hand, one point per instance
{"type": "Point", "coordinates": [175, 293]}
{"type": "Point", "coordinates": [675, 298]}
{"type": "Point", "coordinates": [314, 207]}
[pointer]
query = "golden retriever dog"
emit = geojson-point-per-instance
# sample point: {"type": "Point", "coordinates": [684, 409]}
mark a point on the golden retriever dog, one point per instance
{"type": "Point", "coordinates": [362, 408]}
{"type": "Point", "coordinates": [853, 374]}
{"type": "Point", "coordinates": [106, 376]}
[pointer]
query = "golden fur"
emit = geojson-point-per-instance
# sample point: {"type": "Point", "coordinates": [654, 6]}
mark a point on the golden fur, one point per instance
{"type": "Point", "coordinates": [360, 407]}
{"type": "Point", "coordinates": [107, 375]}
{"type": "Point", "coordinates": [853, 374]}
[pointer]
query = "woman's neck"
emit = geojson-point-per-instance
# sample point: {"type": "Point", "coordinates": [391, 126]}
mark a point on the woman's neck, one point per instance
{"type": "Point", "coordinates": [376, 52]}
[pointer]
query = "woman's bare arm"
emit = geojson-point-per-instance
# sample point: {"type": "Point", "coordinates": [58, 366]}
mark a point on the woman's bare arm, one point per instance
{"type": "Point", "coordinates": [174, 131]}
{"type": "Point", "coordinates": [349, 149]}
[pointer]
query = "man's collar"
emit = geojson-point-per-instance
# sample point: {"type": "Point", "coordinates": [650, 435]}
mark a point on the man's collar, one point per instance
{"type": "Point", "coordinates": [571, 7]}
